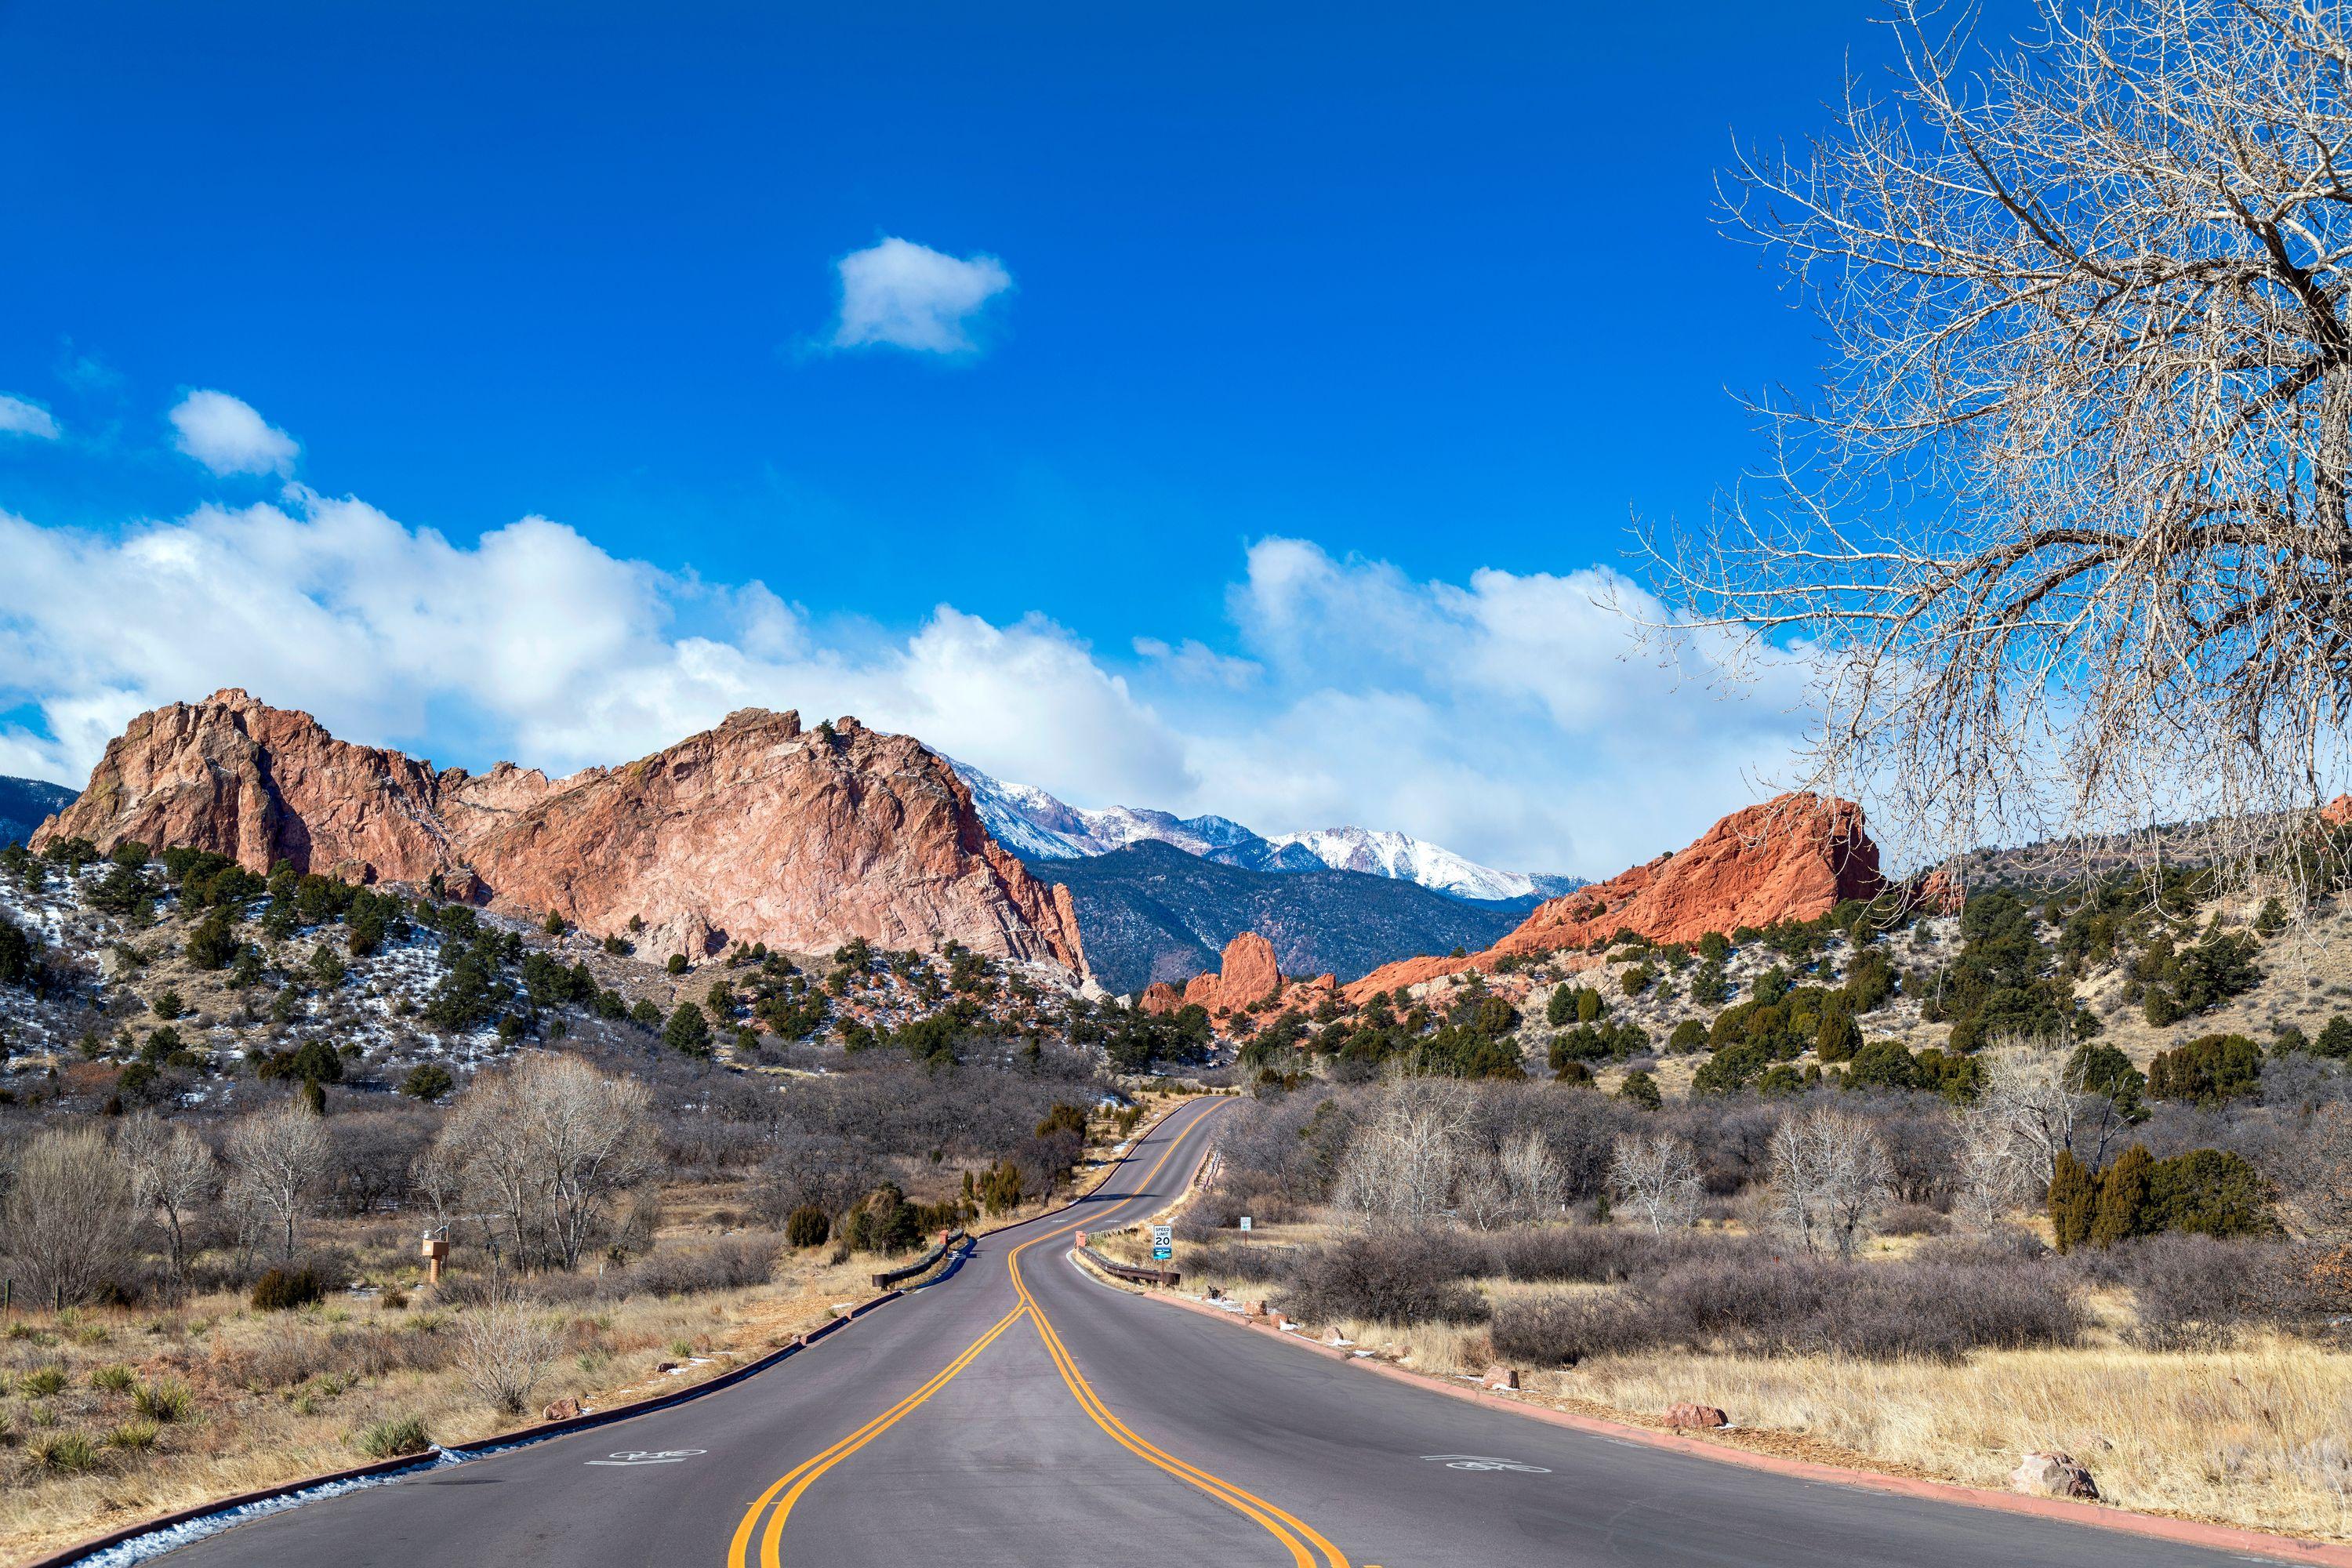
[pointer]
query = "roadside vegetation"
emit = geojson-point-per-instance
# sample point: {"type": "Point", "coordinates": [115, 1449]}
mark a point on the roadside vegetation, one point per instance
{"type": "Point", "coordinates": [211, 1245]}
{"type": "Point", "coordinates": [1897, 1276]}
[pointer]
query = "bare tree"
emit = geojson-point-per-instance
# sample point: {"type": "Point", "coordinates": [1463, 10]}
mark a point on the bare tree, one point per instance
{"type": "Point", "coordinates": [1402, 1167]}
{"type": "Point", "coordinates": [69, 1217]}
{"type": "Point", "coordinates": [1988, 1177]}
{"type": "Point", "coordinates": [2066, 535]}
{"type": "Point", "coordinates": [1536, 1178]}
{"type": "Point", "coordinates": [549, 1145]}
{"type": "Point", "coordinates": [1654, 1175]}
{"type": "Point", "coordinates": [2029, 1105]}
{"type": "Point", "coordinates": [175, 1175]}
{"type": "Point", "coordinates": [1829, 1179]}
{"type": "Point", "coordinates": [277, 1159]}
{"type": "Point", "coordinates": [504, 1349]}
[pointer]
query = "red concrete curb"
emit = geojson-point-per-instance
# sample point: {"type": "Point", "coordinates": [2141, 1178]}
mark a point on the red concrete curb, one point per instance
{"type": "Point", "coordinates": [2159, 1526]}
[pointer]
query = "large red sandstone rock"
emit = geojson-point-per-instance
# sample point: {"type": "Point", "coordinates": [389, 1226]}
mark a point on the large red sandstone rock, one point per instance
{"type": "Point", "coordinates": [1246, 974]}
{"type": "Point", "coordinates": [1160, 997]}
{"type": "Point", "coordinates": [752, 832]}
{"type": "Point", "coordinates": [2337, 812]}
{"type": "Point", "coordinates": [1792, 857]}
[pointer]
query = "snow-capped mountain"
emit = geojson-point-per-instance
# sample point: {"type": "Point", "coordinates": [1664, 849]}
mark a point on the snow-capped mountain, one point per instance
{"type": "Point", "coordinates": [1030, 822]}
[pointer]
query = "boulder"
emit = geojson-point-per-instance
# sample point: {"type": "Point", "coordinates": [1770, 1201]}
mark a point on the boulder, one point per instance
{"type": "Point", "coordinates": [754, 832]}
{"type": "Point", "coordinates": [1500, 1377]}
{"type": "Point", "coordinates": [1682, 1415]}
{"type": "Point", "coordinates": [564, 1409]}
{"type": "Point", "coordinates": [2053, 1475]}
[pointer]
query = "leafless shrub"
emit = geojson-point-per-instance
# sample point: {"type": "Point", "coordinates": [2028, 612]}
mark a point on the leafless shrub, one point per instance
{"type": "Point", "coordinates": [1402, 1166]}
{"type": "Point", "coordinates": [727, 1263]}
{"type": "Point", "coordinates": [504, 1348]}
{"type": "Point", "coordinates": [1399, 1277]}
{"type": "Point", "coordinates": [1561, 1330]}
{"type": "Point", "coordinates": [547, 1146]}
{"type": "Point", "coordinates": [69, 1217]}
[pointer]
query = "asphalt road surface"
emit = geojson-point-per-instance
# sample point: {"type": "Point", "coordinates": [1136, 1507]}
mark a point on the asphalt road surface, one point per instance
{"type": "Point", "coordinates": [1021, 1412]}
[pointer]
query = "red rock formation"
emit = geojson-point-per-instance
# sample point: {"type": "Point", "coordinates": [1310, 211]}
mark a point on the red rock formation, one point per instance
{"type": "Point", "coordinates": [1246, 973]}
{"type": "Point", "coordinates": [2336, 813]}
{"type": "Point", "coordinates": [1792, 857]}
{"type": "Point", "coordinates": [1159, 999]}
{"type": "Point", "coordinates": [752, 832]}
{"type": "Point", "coordinates": [1939, 892]}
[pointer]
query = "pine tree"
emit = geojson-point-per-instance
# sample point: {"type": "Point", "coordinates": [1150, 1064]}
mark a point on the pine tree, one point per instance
{"type": "Point", "coordinates": [2123, 1197]}
{"type": "Point", "coordinates": [2073, 1201]}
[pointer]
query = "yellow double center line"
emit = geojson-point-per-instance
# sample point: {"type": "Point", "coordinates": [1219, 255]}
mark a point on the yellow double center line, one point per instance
{"type": "Point", "coordinates": [1295, 1536]}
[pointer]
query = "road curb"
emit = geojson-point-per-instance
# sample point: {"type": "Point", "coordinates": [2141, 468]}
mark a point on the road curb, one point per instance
{"type": "Point", "coordinates": [384, 1468]}
{"type": "Point", "coordinates": [2153, 1526]}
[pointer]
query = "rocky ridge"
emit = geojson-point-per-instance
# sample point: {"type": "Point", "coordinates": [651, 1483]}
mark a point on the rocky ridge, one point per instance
{"type": "Point", "coordinates": [1794, 856]}
{"type": "Point", "coordinates": [756, 831]}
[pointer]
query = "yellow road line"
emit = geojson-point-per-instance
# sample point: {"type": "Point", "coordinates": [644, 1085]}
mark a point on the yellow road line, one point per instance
{"type": "Point", "coordinates": [1294, 1535]}
{"type": "Point", "coordinates": [800, 1479]}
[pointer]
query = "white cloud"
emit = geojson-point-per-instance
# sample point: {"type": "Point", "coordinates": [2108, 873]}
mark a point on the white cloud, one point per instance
{"type": "Point", "coordinates": [1192, 660]}
{"type": "Point", "coordinates": [909, 295]}
{"type": "Point", "coordinates": [1496, 717]}
{"type": "Point", "coordinates": [19, 418]}
{"type": "Point", "coordinates": [228, 436]}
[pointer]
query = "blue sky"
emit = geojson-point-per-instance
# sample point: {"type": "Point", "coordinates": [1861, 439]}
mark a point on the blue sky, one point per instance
{"type": "Point", "coordinates": [1327, 350]}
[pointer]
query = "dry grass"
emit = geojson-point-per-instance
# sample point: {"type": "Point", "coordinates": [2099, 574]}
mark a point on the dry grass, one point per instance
{"type": "Point", "coordinates": [2260, 1436]}
{"type": "Point", "coordinates": [278, 1395]}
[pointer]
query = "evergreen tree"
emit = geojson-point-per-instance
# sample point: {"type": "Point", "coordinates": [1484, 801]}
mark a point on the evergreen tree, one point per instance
{"type": "Point", "coordinates": [1641, 1089]}
{"type": "Point", "coordinates": [2123, 1197]}
{"type": "Point", "coordinates": [2073, 1201]}
{"type": "Point", "coordinates": [688, 1031]}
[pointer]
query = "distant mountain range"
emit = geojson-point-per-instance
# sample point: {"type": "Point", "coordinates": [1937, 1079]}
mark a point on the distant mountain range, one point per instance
{"type": "Point", "coordinates": [1037, 826]}
{"type": "Point", "coordinates": [1152, 910]}
{"type": "Point", "coordinates": [24, 802]}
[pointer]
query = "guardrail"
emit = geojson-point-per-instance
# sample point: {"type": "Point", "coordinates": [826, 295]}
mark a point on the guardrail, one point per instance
{"type": "Point", "coordinates": [923, 1265]}
{"type": "Point", "coordinates": [1129, 1272]}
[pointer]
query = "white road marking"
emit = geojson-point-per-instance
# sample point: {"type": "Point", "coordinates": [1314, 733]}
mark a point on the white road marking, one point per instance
{"type": "Point", "coordinates": [649, 1456]}
{"type": "Point", "coordinates": [1480, 1462]}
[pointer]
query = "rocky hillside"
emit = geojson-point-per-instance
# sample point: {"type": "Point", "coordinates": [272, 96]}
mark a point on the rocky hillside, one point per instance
{"type": "Point", "coordinates": [755, 832]}
{"type": "Point", "coordinates": [1793, 857]}
{"type": "Point", "coordinates": [24, 802]}
{"type": "Point", "coordinates": [1151, 913]}
{"type": "Point", "coordinates": [183, 981]}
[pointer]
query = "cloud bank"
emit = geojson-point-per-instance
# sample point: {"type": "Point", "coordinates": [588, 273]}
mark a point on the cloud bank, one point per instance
{"type": "Point", "coordinates": [1497, 717]}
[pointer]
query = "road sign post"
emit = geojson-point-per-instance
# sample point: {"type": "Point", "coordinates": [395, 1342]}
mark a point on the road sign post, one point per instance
{"type": "Point", "coordinates": [1164, 1248]}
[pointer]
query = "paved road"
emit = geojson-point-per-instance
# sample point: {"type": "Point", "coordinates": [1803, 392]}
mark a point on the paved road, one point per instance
{"type": "Point", "coordinates": [1022, 1414]}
